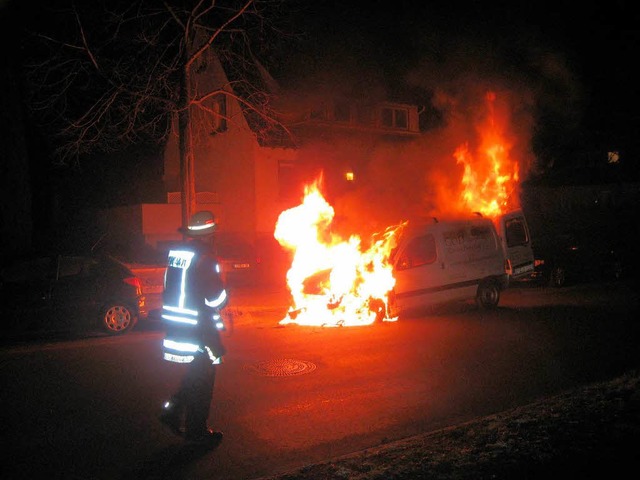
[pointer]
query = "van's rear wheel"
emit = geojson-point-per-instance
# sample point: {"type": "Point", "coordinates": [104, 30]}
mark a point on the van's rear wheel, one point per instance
{"type": "Point", "coordinates": [488, 295]}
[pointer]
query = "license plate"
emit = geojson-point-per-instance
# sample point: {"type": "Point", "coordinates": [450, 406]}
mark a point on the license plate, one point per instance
{"type": "Point", "coordinates": [524, 269]}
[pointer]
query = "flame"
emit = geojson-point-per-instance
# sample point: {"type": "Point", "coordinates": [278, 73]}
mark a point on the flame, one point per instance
{"type": "Point", "coordinates": [332, 281]}
{"type": "Point", "coordinates": [338, 282]}
{"type": "Point", "coordinates": [490, 176]}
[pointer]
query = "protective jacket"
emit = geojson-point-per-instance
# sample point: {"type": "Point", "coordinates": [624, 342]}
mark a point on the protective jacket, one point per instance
{"type": "Point", "coordinates": [193, 297]}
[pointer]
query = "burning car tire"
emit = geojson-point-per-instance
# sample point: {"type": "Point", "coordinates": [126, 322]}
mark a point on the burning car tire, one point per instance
{"type": "Point", "coordinates": [377, 306]}
{"type": "Point", "coordinates": [488, 295]}
{"type": "Point", "coordinates": [116, 319]}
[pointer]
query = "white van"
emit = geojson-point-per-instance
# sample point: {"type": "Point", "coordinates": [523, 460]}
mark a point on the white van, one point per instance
{"type": "Point", "coordinates": [516, 243]}
{"type": "Point", "coordinates": [447, 261]}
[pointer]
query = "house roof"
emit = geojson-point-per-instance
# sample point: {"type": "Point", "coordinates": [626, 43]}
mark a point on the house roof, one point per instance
{"type": "Point", "coordinates": [253, 83]}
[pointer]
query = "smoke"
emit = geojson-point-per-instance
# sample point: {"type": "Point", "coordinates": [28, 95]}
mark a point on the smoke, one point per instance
{"type": "Point", "coordinates": [535, 84]}
{"type": "Point", "coordinates": [463, 84]}
{"type": "Point", "coordinates": [519, 86]}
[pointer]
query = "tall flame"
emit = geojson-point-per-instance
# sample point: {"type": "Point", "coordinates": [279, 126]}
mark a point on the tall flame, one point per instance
{"type": "Point", "coordinates": [490, 176]}
{"type": "Point", "coordinates": [332, 281]}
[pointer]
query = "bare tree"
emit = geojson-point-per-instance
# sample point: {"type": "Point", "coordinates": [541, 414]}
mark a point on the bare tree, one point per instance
{"type": "Point", "coordinates": [118, 73]}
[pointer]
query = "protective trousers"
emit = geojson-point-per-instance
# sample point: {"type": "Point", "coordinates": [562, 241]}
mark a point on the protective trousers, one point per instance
{"type": "Point", "coordinates": [195, 394]}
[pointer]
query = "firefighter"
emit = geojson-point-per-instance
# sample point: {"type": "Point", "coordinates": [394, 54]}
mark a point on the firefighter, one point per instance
{"type": "Point", "coordinates": [193, 297]}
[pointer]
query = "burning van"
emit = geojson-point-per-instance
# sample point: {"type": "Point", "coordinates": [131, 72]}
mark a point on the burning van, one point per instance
{"type": "Point", "coordinates": [445, 261]}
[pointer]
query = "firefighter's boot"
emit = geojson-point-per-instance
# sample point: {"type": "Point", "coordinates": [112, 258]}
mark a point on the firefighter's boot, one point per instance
{"type": "Point", "coordinates": [171, 417]}
{"type": "Point", "coordinates": [207, 437]}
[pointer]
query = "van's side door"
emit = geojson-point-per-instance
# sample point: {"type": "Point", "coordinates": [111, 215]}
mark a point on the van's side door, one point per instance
{"type": "Point", "coordinates": [516, 241]}
{"type": "Point", "coordinates": [417, 267]}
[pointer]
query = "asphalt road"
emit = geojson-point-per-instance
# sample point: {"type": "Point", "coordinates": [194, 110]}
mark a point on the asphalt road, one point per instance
{"type": "Point", "coordinates": [291, 396]}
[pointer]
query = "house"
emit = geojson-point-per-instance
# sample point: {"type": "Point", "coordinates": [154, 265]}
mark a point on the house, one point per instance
{"type": "Point", "coordinates": [247, 174]}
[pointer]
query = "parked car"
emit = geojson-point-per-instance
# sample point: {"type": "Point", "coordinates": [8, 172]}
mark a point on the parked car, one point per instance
{"type": "Point", "coordinates": [69, 293]}
{"type": "Point", "coordinates": [237, 263]}
{"type": "Point", "coordinates": [577, 256]}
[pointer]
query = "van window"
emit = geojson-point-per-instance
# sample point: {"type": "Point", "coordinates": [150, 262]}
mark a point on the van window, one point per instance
{"type": "Point", "coordinates": [516, 232]}
{"type": "Point", "coordinates": [419, 251]}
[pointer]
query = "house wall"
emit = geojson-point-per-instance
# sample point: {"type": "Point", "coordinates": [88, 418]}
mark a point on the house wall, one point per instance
{"type": "Point", "coordinates": [241, 175]}
{"type": "Point", "coordinates": [224, 162]}
{"type": "Point", "coordinates": [244, 177]}
{"type": "Point", "coordinates": [268, 201]}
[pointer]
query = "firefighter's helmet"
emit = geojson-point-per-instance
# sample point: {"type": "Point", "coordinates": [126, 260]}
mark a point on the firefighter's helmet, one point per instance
{"type": "Point", "coordinates": [201, 224]}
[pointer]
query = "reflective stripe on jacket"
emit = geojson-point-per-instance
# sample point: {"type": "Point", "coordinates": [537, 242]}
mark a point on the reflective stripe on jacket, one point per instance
{"type": "Point", "coordinates": [192, 299]}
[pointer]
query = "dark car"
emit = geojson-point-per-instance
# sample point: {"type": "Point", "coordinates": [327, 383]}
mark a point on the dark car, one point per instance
{"type": "Point", "coordinates": [577, 256]}
{"type": "Point", "coordinates": [237, 262]}
{"type": "Point", "coordinates": [70, 293]}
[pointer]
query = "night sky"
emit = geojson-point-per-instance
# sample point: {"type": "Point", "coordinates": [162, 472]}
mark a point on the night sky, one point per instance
{"type": "Point", "coordinates": [571, 64]}
{"type": "Point", "coordinates": [576, 58]}
{"type": "Point", "coordinates": [566, 68]}
{"type": "Point", "coordinates": [574, 61]}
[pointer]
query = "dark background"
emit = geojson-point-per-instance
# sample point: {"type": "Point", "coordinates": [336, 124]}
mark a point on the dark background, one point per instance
{"type": "Point", "coordinates": [575, 62]}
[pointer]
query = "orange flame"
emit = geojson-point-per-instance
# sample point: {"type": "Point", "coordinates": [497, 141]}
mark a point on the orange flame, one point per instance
{"type": "Point", "coordinates": [490, 176]}
{"type": "Point", "coordinates": [332, 281]}
{"type": "Point", "coordinates": [335, 282]}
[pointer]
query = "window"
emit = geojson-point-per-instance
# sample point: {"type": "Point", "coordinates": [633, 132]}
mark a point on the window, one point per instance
{"type": "Point", "coordinates": [364, 115]}
{"type": "Point", "coordinates": [401, 119]}
{"type": "Point", "coordinates": [394, 118]}
{"type": "Point", "coordinates": [516, 232]}
{"type": "Point", "coordinates": [420, 251]}
{"type": "Point", "coordinates": [216, 107]}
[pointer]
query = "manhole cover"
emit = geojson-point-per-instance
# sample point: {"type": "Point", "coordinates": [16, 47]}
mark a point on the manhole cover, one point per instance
{"type": "Point", "coordinates": [284, 367]}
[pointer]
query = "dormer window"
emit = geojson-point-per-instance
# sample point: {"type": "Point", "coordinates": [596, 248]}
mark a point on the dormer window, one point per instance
{"type": "Point", "coordinates": [394, 118]}
{"type": "Point", "coordinates": [387, 117]}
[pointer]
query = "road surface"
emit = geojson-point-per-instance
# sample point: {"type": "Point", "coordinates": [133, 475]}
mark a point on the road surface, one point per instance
{"type": "Point", "coordinates": [291, 396]}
